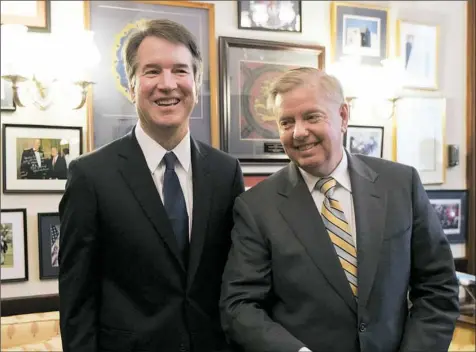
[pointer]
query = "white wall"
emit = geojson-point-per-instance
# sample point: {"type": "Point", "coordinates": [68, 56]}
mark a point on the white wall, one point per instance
{"type": "Point", "coordinates": [67, 15]}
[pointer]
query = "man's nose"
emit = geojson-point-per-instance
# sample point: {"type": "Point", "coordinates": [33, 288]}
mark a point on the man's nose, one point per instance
{"type": "Point", "coordinates": [300, 130]}
{"type": "Point", "coordinates": [167, 81]}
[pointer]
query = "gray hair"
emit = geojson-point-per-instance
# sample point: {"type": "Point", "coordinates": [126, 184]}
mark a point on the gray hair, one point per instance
{"type": "Point", "coordinates": [168, 30]}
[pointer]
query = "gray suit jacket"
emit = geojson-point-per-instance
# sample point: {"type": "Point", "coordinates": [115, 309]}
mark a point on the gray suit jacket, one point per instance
{"type": "Point", "coordinates": [284, 288]}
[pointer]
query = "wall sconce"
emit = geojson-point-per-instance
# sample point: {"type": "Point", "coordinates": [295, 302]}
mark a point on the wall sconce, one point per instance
{"type": "Point", "coordinates": [37, 74]}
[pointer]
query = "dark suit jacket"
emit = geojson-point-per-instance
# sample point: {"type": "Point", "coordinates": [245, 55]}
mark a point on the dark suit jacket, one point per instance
{"type": "Point", "coordinates": [29, 168]}
{"type": "Point", "coordinates": [58, 170]}
{"type": "Point", "coordinates": [284, 287]}
{"type": "Point", "coordinates": [122, 283]}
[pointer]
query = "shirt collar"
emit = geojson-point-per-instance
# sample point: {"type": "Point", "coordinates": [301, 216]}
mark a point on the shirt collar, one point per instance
{"type": "Point", "coordinates": [154, 152]}
{"type": "Point", "coordinates": [340, 174]}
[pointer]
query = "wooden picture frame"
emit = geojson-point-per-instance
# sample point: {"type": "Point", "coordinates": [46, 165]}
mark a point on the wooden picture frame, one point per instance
{"type": "Point", "coordinates": [14, 245]}
{"type": "Point", "coordinates": [347, 38]}
{"type": "Point", "coordinates": [36, 15]}
{"type": "Point", "coordinates": [48, 244]}
{"type": "Point", "coordinates": [247, 20]}
{"type": "Point", "coordinates": [36, 157]}
{"type": "Point", "coordinates": [247, 68]}
{"type": "Point", "coordinates": [109, 103]}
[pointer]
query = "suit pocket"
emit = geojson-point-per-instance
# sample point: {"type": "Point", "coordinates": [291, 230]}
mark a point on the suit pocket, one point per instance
{"type": "Point", "coordinates": [397, 233]}
{"type": "Point", "coordinates": [111, 339]}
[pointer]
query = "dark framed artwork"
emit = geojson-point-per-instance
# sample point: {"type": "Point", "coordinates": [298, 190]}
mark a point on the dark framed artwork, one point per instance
{"type": "Point", "coordinates": [112, 22]}
{"type": "Point", "coordinates": [253, 179]}
{"type": "Point", "coordinates": [247, 69]}
{"type": "Point", "coordinates": [36, 15]}
{"type": "Point", "coordinates": [366, 140]}
{"type": "Point", "coordinates": [48, 241]}
{"type": "Point", "coordinates": [360, 30]}
{"type": "Point", "coordinates": [14, 245]}
{"type": "Point", "coordinates": [452, 211]}
{"type": "Point", "coordinates": [277, 16]}
{"type": "Point", "coordinates": [7, 96]}
{"type": "Point", "coordinates": [36, 157]}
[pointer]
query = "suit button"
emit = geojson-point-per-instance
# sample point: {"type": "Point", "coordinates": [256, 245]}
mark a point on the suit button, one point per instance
{"type": "Point", "coordinates": [362, 327]}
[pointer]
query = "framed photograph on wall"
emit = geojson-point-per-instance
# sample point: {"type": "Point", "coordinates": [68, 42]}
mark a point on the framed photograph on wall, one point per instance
{"type": "Point", "coordinates": [36, 157]}
{"type": "Point", "coordinates": [7, 96]}
{"type": "Point", "coordinates": [112, 108]}
{"type": "Point", "coordinates": [417, 47]}
{"type": "Point", "coordinates": [419, 136]}
{"type": "Point", "coordinates": [36, 15]}
{"type": "Point", "coordinates": [277, 16]}
{"type": "Point", "coordinates": [361, 30]}
{"type": "Point", "coordinates": [248, 67]}
{"type": "Point", "coordinates": [451, 209]}
{"type": "Point", "coordinates": [14, 245]}
{"type": "Point", "coordinates": [366, 140]}
{"type": "Point", "coordinates": [48, 241]}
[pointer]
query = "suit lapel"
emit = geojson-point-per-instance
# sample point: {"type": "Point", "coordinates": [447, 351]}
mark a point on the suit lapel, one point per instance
{"type": "Point", "coordinates": [369, 210]}
{"type": "Point", "coordinates": [202, 193]}
{"type": "Point", "coordinates": [299, 210]}
{"type": "Point", "coordinates": [134, 170]}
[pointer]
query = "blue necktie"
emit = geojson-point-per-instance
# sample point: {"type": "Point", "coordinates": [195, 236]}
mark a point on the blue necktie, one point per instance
{"type": "Point", "coordinates": [174, 203]}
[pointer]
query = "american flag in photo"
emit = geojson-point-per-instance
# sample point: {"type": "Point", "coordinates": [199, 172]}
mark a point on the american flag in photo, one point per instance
{"type": "Point", "coordinates": [55, 234]}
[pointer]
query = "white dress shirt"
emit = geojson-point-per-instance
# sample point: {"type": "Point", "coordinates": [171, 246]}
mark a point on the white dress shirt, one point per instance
{"type": "Point", "coordinates": [342, 192]}
{"type": "Point", "coordinates": [154, 154]}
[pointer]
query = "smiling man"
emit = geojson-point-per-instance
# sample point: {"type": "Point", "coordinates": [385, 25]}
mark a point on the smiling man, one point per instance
{"type": "Point", "coordinates": [326, 250]}
{"type": "Point", "coordinates": [146, 220]}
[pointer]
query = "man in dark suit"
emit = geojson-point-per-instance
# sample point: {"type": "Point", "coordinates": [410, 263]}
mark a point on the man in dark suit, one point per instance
{"type": "Point", "coordinates": [325, 251]}
{"type": "Point", "coordinates": [56, 165]}
{"type": "Point", "coordinates": [146, 220]}
{"type": "Point", "coordinates": [32, 163]}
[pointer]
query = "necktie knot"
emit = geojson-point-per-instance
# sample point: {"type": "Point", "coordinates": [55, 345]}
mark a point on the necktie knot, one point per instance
{"type": "Point", "coordinates": [169, 159]}
{"type": "Point", "coordinates": [326, 185]}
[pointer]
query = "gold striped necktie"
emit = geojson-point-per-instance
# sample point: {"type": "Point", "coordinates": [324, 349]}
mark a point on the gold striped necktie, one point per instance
{"type": "Point", "coordinates": [339, 231]}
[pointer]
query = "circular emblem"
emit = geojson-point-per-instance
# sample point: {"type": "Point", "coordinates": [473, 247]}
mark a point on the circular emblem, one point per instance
{"type": "Point", "coordinates": [118, 66]}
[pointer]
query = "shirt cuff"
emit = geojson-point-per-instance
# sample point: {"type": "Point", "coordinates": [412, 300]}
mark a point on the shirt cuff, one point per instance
{"type": "Point", "coordinates": [304, 349]}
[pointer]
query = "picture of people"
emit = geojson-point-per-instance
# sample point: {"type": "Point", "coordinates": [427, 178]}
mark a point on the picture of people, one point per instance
{"type": "Point", "coordinates": [6, 244]}
{"type": "Point", "coordinates": [270, 15]}
{"type": "Point", "coordinates": [417, 48]}
{"type": "Point", "coordinates": [366, 140]}
{"type": "Point", "coordinates": [49, 243]}
{"type": "Point", "coordinates": [448, 211]}
{"type": "Point", "coordinates": [361, 35]}
{"type": "Point", "coordinates": [42, 159]}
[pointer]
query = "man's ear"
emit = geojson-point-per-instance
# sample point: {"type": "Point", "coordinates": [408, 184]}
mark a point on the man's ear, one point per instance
{"type": "Point", "coordinates": [132, 93]}
{"type": "Point", "coordinates": [344, 115]}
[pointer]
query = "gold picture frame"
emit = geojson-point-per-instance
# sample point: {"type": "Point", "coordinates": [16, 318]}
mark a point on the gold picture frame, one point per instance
{"type": "Point", "coordinates": [345, 15]}
{"type": "Point", "coordinates": [36, 15]}
{"type": "Point", "coordinates": [210, 65]}
{"type": "Point", "coordinates": [417, 45]}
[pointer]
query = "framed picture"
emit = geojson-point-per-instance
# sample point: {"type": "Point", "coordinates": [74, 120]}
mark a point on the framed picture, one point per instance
{"type": "Point", "coordinates": [361, 30]}
{"type": "Point", "coordinates": [48, 240]}
{"type": "Point", "coordinates": [7, 96]}
{"type": "Point", "coordinates": [36, 15]}
{"type": "Point", "coordinates": [247, 69]}
{"type": "Point", "coordinates": [366, 140]}
{"type": "Point", "coordinates": [113, 111]}
{"type": "Point", "coordinates": [36, 157]}
{"type": "Point", "coordinates": [417, 47]}
{"type": "Point", "coordinates": [278, 16]}
{"type": "Point", "coordinates": [14, 246]}
{"type": "Point", "coordinates": [451, 208]}
{"type": "Point", "coordinates": [419, 137]}
{"type": "Point", "coordinates": [253, 179]}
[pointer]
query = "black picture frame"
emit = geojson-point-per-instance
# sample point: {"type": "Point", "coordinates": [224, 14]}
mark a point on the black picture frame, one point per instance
{"type": "Point", "coordinates": [48, 244]}
{"type": "Point", "coordinates": [365, 147]}
{"type": "Point", "coordinates": [17, 271]}
{"type": "Point", "coordinates": [16, 164]}
{"type": "Point", "coordinates": [7, 103]}
{"type": "Point", "coordinates": [247, 66]}
{"type": "Point", "coordinates": [244, 8]}
{"type": "Point", "coordinates": [454, 229]}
